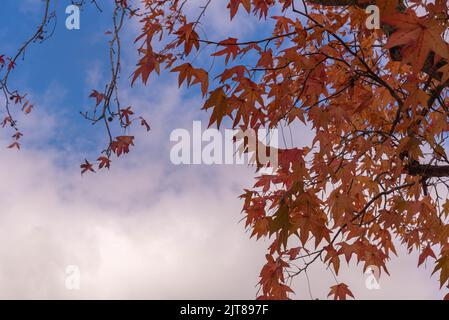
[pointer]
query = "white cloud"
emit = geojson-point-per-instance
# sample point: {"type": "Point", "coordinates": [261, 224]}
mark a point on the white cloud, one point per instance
{"type": "Point", "coordinates": [134, 233]}
{"type": "Point", "coordinates": [215, 21]}
{"type": "Point", "coordinates": [147, 229]}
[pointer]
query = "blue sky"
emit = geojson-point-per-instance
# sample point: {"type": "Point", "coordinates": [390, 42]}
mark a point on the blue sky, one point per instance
{"type": "Point", "coordinates": [67, 66]}
{"type": "Point", "coordinates": [62, 66]}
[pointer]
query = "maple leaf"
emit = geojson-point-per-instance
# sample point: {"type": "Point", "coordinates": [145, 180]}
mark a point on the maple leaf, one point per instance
{"type": "Point", "coordinates": [294, 252]}
{"type": "Point", "coordinates": [15, 144]}
{"type": "Point", "coordinates": [6, 120]}
{"type": "Point", "coordinates": [442, 265]}
{"type": "Point", "coordinates": [418, 35]}
{"type": "Point", "coordinates": [192, 76]}
{"type": "Point", "coordinates": [27, 107]}
{"type": "Point", "coordinates": [121, 144]}
{"type": "Point", "coordinates": [98, 97]}
{"type": "Point", "coordinates": [146, 65]}
{"type": "Point", "coordinates": [332, 258]}
{"type": "Point", "coordinates": [86, 166]}
{"type": "Point", "coordinates": [387, 7]}
{"type": "Point", "coordinates": [231, 49]}
{"type": "Point", "coordinates": [281, 223]}
{"type": "Point", "coordinates": [427, 252]}
{"type": "Point", "coordinates": [260, 228]}
{"type": "Point", "coordinates": [17, 98]}
{"type": "Point", "coordinates": [218, 101]}
{"type": "Point", "coordinates": [201, 77]}
{"type": "Point", "coordinates": [340, 292]}
{"type": "Point", "coordinates": [189, 37]}
{"type": "Point", "coordinates": [446, 208]}
{"type": "Point", "coordinates": [11, 64]}
{"type": "Point", "coordinates": [17, 135]}
{"type": "Point", "coordinates": [145, 124]}
{"type": "Point", "coordinates": [234, 6]}
{"type": "Point", "coordinates": [105, 162]}
{"type": "Point", "coordinates": [238, 71]}
{"type": "Point", "coordinates": [125, 114]}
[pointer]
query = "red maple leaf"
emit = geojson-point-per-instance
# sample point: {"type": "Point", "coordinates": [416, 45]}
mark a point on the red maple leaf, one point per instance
{"type": "Point", "coordinates": [125, 114]}
{"type": "Point", "coordinates": [86, 166]}
{"type": "Point", "coordinates": [105, 162]}
{"type": "Point", "coordinates": [340, 292]}
{"type": "Point", "coordinates": [98, 96]}
{"type": "Point", "coordinates": [144, 123]}
{"type": "Point", "coordinates": [427, 252]}
{"type": "Point", "coordinates": [121, 144]}
{"type": "Point", "coordinates": [15, 144]}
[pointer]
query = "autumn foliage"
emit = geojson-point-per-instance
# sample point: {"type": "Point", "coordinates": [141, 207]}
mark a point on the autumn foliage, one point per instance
{"type": "Point", "coordinates": [375, 100]}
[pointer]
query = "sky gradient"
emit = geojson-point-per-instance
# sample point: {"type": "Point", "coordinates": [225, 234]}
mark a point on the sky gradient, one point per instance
{"type": "Point", "coordinates": [147, 229]}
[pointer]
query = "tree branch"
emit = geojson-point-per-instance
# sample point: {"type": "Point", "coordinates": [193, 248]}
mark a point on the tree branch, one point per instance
{"type": "Point", "coordinates": [427, 171]}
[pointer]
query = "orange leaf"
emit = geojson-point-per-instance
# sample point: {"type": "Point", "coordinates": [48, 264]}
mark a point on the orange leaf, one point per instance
{"type": "Point", "coordinates": [418, 35]}
{"type": "Point", "coordinates": [98, 96]}
{"type": "Point", "coordinates": [340, 292]}
{"type": "Point", "coordinates": [231, 49]}
{"type": "Point", "coordinates": [86, 166]}
{"type": "Point", "coordinates": [427, 252]}
{"type": "Point", "coordinates": [104, 162]}
{"type": "Point", "coordinates": [15, 144]}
